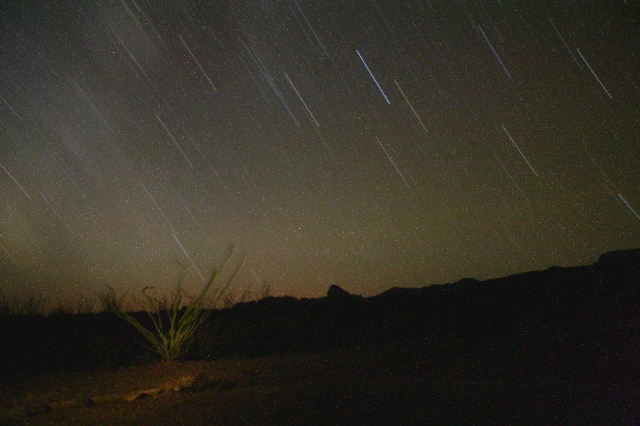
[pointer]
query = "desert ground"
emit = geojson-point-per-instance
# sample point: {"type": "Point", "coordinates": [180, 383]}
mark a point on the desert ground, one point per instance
{"type": "Point", "coordinates": [408, 382]}
{"type": "Point", "coordinates": [559, 346]}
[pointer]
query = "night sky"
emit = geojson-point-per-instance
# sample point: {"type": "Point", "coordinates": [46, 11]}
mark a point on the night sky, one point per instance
{"type": "Point", "coordinates": [362, 143]}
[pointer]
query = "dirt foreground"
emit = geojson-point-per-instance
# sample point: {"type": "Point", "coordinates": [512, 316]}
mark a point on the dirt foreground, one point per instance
{"type": "Point", "coordinates": [408, 382]}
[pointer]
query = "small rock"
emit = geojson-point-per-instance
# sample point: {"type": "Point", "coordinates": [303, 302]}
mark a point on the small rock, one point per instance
{"type": "Point", "coordinates": [224, 384]}
{"type": "Point", "coordinates": [201, 383]}
{"type": "Point", "coordinates": [87, 401]}
{"type": "Point", "coordinates": [35, 406]}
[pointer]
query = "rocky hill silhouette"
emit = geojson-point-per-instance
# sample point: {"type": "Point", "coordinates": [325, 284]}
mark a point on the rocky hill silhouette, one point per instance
{"type": "Point", "coordinates": [556, 307]}
{"type": "Point", "coordinates": [559, 305]}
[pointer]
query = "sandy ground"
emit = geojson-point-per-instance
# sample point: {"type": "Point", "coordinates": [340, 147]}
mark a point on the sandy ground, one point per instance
{"type": "Point", "coordinates": [408, 382]}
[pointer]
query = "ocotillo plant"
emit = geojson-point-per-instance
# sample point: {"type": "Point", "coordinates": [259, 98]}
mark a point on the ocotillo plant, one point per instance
{"type": "Point", "coordinates": [174, 325]}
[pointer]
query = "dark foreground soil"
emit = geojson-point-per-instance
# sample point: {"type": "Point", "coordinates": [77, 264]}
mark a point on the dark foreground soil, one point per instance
{"type": "Point", "coordinates": [416, 381]}
{"type": "Point", "coordinates": [559, 346]}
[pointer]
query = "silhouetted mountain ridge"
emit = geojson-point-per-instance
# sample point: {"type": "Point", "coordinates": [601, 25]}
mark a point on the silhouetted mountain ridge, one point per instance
{"type": "Point", "coordinates": [559, 304]}
{"type": "Point", "coordinates": [556, 308]}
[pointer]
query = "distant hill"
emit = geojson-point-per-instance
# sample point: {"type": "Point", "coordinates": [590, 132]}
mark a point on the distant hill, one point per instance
{"type": "Point", "coordinates": [588, 305]}
{"type": "Point", "coordinates": [557, 304]}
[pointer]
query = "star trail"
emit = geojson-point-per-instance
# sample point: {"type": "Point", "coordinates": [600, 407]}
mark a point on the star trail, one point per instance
{"type": "Point", "coordinates": [361, 143]}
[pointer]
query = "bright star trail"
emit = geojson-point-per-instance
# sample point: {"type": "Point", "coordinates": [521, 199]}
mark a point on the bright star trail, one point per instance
{"type": "Point", "coordinates": [494, 52]}
{"type": "Point", "coordinates": [519, 150]}
{"type": "Point", "coordinates": [374, 78]}
{"type": "Point", "coordinates": [366, 144]}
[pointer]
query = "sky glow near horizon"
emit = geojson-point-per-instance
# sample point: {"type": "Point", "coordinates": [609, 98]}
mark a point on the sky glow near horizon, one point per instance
{"type": "Point", "coordinates": [362, 143]}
